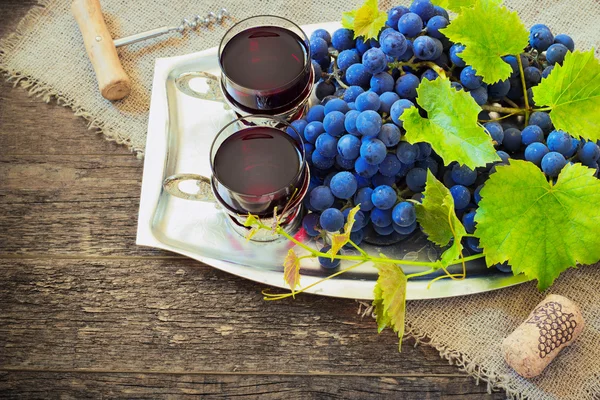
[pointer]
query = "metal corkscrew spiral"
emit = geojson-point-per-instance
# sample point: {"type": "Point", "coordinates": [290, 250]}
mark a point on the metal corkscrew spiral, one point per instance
{"type": "Point", "coordinates": [186, 24]}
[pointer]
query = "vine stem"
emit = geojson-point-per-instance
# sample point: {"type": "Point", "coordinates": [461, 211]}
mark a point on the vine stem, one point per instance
{"type": "Point", "coordinates": [525, 96]}
{"type": "Point", "coordinates": [504, 110]}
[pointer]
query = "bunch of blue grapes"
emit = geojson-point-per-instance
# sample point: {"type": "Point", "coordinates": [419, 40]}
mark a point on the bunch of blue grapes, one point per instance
{"type": "Point", "coordinates": [354, 138]}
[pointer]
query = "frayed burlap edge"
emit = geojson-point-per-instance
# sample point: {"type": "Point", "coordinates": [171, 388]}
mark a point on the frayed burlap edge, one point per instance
{"type": "Point", "coordinates": [46, 92]}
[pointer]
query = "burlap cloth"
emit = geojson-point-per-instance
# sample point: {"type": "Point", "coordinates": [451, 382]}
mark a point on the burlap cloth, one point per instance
{"type": "Point", "coordinates": [46, 56]}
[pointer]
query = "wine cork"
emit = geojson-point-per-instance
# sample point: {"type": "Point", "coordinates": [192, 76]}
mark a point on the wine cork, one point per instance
{"type": "Point", "coordinates": [553, 325]}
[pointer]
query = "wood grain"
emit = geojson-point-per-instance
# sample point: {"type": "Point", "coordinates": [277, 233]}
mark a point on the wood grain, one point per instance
{"type": "Point", "coordinates": [84, 313]}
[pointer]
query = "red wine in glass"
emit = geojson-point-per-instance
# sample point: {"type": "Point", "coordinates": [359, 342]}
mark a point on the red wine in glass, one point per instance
{"type": "Point", "coordinates": [266, 69]}
{"type": "Point", "coordinates": [257, 169]}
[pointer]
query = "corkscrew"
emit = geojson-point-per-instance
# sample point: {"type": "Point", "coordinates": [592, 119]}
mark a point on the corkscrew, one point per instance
{"type": "Point", "coordinates": [113, 82]}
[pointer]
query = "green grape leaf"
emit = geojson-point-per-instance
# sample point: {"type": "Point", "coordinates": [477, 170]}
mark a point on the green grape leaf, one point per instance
{"type": "Point", "coordinates": [348, 19]}
{"type": "Point", "coordinates": [390, 299]}
{"type": "Point", "coordinates": [540, 228]}
{"type": "Point", "coordinates": [368, 20]}
{"type": "Point", "coordinates": [451, 127]}
{"type": "Point", "coordinates": [488, 31]}
{"type": "Point", "coordinates": [291, 270]}
{"type": "Point", "coordinates": [572, 91]}
{"type": "Point", "coordinates": [339, 240]}
{"type": "Point", "coordinates": [456, 5]}
{"type": "Point", "coordinates": [439, 221]}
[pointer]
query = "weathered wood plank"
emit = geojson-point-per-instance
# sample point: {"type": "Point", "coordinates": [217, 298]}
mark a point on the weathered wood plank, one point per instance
{"type": "Point", "coordinates": [50, 385]}
{"type": "Point", "coordinates": [157, 315]}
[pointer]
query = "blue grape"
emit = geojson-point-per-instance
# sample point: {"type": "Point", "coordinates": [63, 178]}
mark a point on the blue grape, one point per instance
{"type": "Point", "coordinates": [308, 150]}
{"type": "Point", "coordinates": [362, 46]}
{"type": "Point", "coordinates": [575, 144]}
{"type": "Point", "coordinates": [565, 40]}
{"type": "Point", "coordinates": [313, 130]}
{"type": "Point", "coordinates": [480, 95]}
{"type": "Point", "coordinates": [540, 37]}
{"type": "Point", "coordinates": [455, 51]}
{"type": "Point", "coordinates": [461, 196]}
{"type": "Point", "coordinates": [424, 150]}
{"type": "Point", "coordinates": [327, 262]}
{"type": "Point", "coordinates": [327, 179]}
{"type": "Point", "coordinates": [374, 60]}
{"type": "Point", "coordinates": [589, 154]}
{"type": "Point", "coordinates": [559, 141]}
{"type": "Point", "coordinates": [383, 230]}
{"type": "Point", "coordinates": [427, 48]}
{"type": "Point", "coordinates": [358, 75]}
{"type": "Point", "coordinates": [390, 166]}
{"type": "Point", "coordinates": [516, 89]}
{"type": "Point", "coordinates": [423, 8]}
{"type": "Point", "coordinates": [373, 151]}
{"type": "Point", "coordinates": [406, 86]}
{"type": "Point", "coordinates": [463, 175]}
{"type": "Point", "coordinates": [368, 101]}
{"type": "Point", "coordinates": [350, 122]}
{"type": "Point", "coordinates": [435, 24]}
{"type": "Point", "coordinates": [407, 153]}
{"type": "Point", "coordinates": [418, 197]}
{"type": "Point", "coordinates": [398, 109]}
{"type": "Point", "coordinates": [349, 147]}
{"type": "Point", "coordinates": [542, 120]}
{"type": "Point", "coordinates": [299, 125]}
{"type": "Point", "coordinates": [374, 43]}
{"type": "Point", "coordinates": [378, 180]}
{"type": "Point", "coordinates": [326, 145]}
{"type": "Point", "coordinates": [473, 245]}
{"type": "Point", "coordinates": [468, 221]}
{"type": "Point", "coordinates": [383, 197]}
{"type": "Point", "coordinates": [352, 93]}
{"type": "Point", "coordinates": [334, 123]}
{"type": "Point", "coordinates": [382, 82]}
{"type": "Point", "coordinates": [408, 54]}
{"type": "Point", "coordinates": [393, 44]}
{"type": "Point", "coordinates": [336, 105]}
{"type": "Point", "coordinates": [410, 24]}
{"type": "Point", "coordinates": [447, 178]}
{"type": "Point", "coordinates": [533, 76]}
{"type": "Point", "coordinates": [514, 64]}
{"type": "Point", "coordinates": [503, 156]}
{"type": "Point", "coordinates": [332, 220]}
{"type": "Point", "coordinates": [404, 214]}
{"type": "Point", "coordinates": [323, 34]}
{"type": "Point", "coordinates": [364, 169]}
{"type": "Point", "coordinates": [394, 15]}
{"type": "Point", "coordinates": [416, 179]}
{"type": "Point", "coordinates": [389, 134]}
{"type": "Point", "coordinates": [507, 269]}
{"type": "Point", "coordinates": [347, 58]}
{"type": "Point", "coordinates": [387, 99]}
{"type": "Point", "coordinates": [369, 123]}
{"type": "Point", "coordinates": [457, 86]}
{"type": "Point", "coordinates": [477, 194]}
{"type": "Point", "coordinates": [556, 54]}
{"type": "Point", "coordinates": [441, 12]}
{"type": "Point", "coordinates": [356, 238]}
{"type": "Point", "coordinates": [535, 152]}
{"type": "Point", "coordinates": [470, 79]}
{"type": "Point", "coordinates": [321, 198]}
{"type": "Point", "coordinates": [381, 218]}
{"type": "Point", "coordinates": [512, 140]}
{"type": "Point", "coordinates": [531, 134]}
{"type": "Point", "coordinates": [546, 72]}
{"type": "Point", "coordinates": [343, 185]}
{"type": "Point", "coordinates": [428, 164]}
{"type": "Point", "coordinates": [318, 48]}
{"type": "Point", "coordinates": [359, 219]}
{"type": "Point", "coordinates": [351, 106]}
{"type": "Point", "coordinates": [363, 197]}
{"type": "Point", "coordinates": [553, 163]}
{"type": "Point", "coordinates": [404, 170]}
{"type": "Point", "coordinates": [321, 161]}
{"type": "Point", "coordinates": [402, 230]}
{"type": "Point", "coordinates": [324, 89]}
{"type": "Point", "coordinates": [499, 89]}
{"type": "Point", "coordinates": [315, 113]}
{"type": "Point", "coordinates": [495, 130]}
{"type": "Point", "coordinates": [324, 63]}
{"type": "Point", "coordinates": [318, 71]}
{"type": "Point", "coordinates": [429, 74]}
{"type": "Point", "coordinates": [342, 163]}
{"type": "Point", "coordinates": [310, 223]}
{"type": "Point", "coordinates": [343, 39]}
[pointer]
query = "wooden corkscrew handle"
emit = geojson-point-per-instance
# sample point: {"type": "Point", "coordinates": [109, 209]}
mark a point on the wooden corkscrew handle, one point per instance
{"type": "Point", "coordinates": [113, 82]}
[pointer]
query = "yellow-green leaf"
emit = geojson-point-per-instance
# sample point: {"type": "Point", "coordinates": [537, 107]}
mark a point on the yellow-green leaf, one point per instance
{"type": "Point", "coordinates": [439, 221]}
{"type": "Point", "coordinates": [451, 127]}
{"type": "Point", "coordinates": [488, 31]}
{"type": "Point", "coordinates": [291, 270]}
{"type": "Point", "coordinates": [540, 228]}
{"type": "Point", "coordinates": [339, 240]}
{"type": "Point", "coordinates": [368, 20]}
{"type": "Point", "coordinates": [251, 220]}
{"type": "Point", "coordinates": [348, 19]}
{"type": "Point", "coordinates": [390, 299]}
{"type": "Point", "coordinates": [456, 5]}
{"type": "Point", "coordinates": [573, 92]}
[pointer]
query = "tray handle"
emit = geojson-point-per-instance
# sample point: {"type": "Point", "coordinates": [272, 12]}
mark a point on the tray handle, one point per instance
{"type": "Point", "coordinates": [171, 185]}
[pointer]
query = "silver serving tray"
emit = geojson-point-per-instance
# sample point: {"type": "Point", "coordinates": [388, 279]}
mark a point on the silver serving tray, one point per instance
{"type": "Point", "coordinates": [180, 130]}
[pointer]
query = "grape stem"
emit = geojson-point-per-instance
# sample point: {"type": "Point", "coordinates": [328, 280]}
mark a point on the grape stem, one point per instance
{"type": "Point", "coordinates": [416, 65]}
{"type": "Point", "coordinates": [504, 110]}
{"type": "Point", "coordinates": [525, 96]}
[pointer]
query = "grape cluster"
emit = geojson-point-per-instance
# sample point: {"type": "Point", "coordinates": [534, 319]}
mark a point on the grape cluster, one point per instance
{"type": "Point", "coordinates": [556, 327]}
{"type": "Point", "coordinates": [354, 137]}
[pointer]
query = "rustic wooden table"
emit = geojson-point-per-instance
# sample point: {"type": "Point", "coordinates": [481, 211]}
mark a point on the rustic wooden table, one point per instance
{"type": "Point", "coordinates": [84, 312]}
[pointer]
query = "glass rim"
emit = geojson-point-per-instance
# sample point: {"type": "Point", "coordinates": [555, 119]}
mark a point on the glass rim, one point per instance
{"type": "Point", "coordinates": [307, 62]}
{"type": "Point", "coordinates": [301, 168]}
